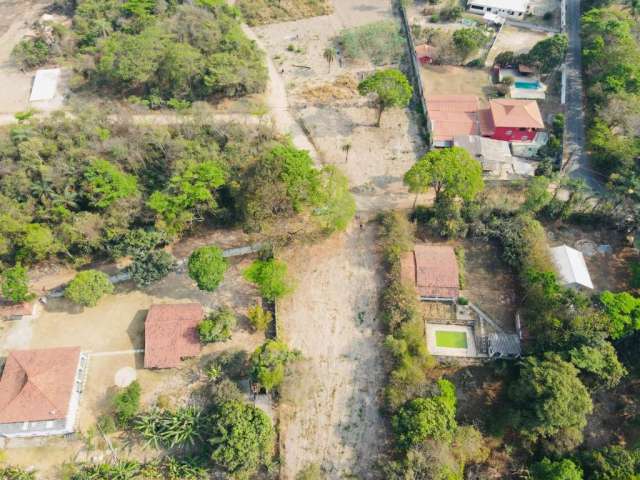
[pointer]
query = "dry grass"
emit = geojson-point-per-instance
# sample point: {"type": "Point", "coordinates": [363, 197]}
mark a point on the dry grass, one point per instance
{"type": "Point", "coordinates": [344, 87]}
{"type": "Point", "coordinates": [260, 12]}
{"type": "Point", "coordinates": [452, 80]}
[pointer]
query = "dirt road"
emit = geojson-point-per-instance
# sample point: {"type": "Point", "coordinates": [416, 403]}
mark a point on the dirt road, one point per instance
{"type": "Point", "coordinates": [330, 408]}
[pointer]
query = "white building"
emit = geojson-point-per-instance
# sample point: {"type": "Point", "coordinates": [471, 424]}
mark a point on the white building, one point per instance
{"type": "Point", "coordinates": [571, 267]}
{"type": "Point", "coordinates": [515, 9]}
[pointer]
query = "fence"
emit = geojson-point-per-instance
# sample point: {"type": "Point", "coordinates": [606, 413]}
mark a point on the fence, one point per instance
{"type": "Point", "coordinates": [415, 63]}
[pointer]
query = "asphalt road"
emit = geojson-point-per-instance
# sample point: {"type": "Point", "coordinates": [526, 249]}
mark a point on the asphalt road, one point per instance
{"type": "Point", "coordinates": [578, 165]}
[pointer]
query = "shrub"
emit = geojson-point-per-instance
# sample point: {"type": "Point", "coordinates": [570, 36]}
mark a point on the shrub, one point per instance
{"type": "Point", "coordinates": [559, 470]}
{"type": "Point", "coordinates": [218, 327]}
{"type": "Point", "coordinates": [8, 472]}
{"type": "Point", "coordinates": [207, 266]}
{"type": "Point", "coordinates": [270, 276]}
{"type": "Point", "coordinates": [15, 284]}
{"type": "Point", "coordinates": [126, 403]}
{"type": "Point", "coordinates": [259, 318]}
{"type": "Point", "coordinates": [152, 267]}
{"type": "Point", "coordinates": [268, 363]}
{"type": "Point", "coordinates": [242, 438]}
{"type": "Point", "coordinates": [88, 287]}
{"type": "Point", "coordinates": [31, 53]}
{"type": "Point", "coordinates": [380, 42]}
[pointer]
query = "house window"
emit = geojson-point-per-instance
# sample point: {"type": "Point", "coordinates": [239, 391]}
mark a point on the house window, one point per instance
{"type": "Point", "coordinates": [49, 425]}
{"type": "Point", "coordinates": [25, 426]}
{"type": "Point", "coordinates": [509, 132]}
{"type": "Point", "coordinates": [522, 129]}
{"type": "Point", "coordinates": [525, 137]}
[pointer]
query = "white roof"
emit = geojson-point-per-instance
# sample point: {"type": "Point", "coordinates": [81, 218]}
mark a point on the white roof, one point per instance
{"type": "Point", "coordinates": [492, 17]}
{"type": "Point", "coordinates": [515, 5]}
{"type": "Point", "coordinates": [571, 266]}
{"type": "Point", "coordinates": [45, 85]}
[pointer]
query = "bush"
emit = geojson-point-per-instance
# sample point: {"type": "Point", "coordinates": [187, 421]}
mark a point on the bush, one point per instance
{"type": "Point", "coordinates": [270, 276]}
{"type": "Point", "coordinates": [207, 266]}
{"type": "Point", "coordinates": [152, 267]}
{"type": "Point", "coordinates": [126, 403]}
{"type": "Point", "coordinates": [88, 287]}
{"type": "Point", "coordinates": [259, 318]}
{"type": "Point", "coordinates": [218, 327]}
{"type": "Point", "coordinates": [268, 363]}
{"type": "Point", "coordinates": [31, 53]}
{"type": "Point", "coordinates": [380, 42]}
{"type": "Point", "coordinates": [242, 438]}
{"type": "Point", "coordinates": [15, 284]}
{"type": "Point", "coordinates": [8, 472]}
{"type": "Point", "coordinates": [559, 470]}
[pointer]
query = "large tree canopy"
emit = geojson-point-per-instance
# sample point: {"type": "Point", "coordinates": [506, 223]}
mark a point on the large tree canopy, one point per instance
{"type": "Point", "coordinates": [391, 88]}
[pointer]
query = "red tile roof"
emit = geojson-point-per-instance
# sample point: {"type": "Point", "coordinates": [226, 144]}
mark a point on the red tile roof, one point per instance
{"type": "Point", "coordinates": [452, 115]}
{"type": "Point", "coordinates": [36, 385]}
{"type": "Point", "coordinates": [516, 113]}
{"type": "Point", "coordinates": [433, 270]}
{"type": "Point", "coordinates": [425, 50]}
{"type": "Point", "coordinates": [170, 334]}
{"type": "Point", "coordinates": [16, 309]}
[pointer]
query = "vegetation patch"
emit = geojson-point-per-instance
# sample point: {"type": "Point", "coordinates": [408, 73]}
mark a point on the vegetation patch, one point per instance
{"type": "Point", "coordinates": [260, 12]}
{"type": "Point", "coordinates": [381, 43]}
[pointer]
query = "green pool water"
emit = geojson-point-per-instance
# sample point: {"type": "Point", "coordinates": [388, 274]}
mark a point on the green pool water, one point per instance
{"type": "Point", "coordinates": [451, 339]}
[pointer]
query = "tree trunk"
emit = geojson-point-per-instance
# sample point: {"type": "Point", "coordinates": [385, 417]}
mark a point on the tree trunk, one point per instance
{"type": "Point", "coordinates": [380, 110]}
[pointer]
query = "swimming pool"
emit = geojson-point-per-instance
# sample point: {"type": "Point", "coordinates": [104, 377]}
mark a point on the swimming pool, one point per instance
{"type": "Point", "coordinates": [527, 85]}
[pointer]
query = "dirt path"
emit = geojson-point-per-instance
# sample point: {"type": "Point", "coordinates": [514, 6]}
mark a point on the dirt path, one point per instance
{"type": "Point", "coordinates": [330, 408]}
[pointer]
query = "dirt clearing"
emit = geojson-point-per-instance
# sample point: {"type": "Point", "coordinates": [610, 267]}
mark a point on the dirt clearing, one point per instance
{"type": "Point", "coordinates": [516, 40]}
{"type": "Point", "coordinates": [331, 401]}
{"type": "Point", "coordinates": [453, 80]}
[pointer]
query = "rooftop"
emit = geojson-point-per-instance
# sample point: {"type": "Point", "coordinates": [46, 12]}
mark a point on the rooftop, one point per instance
{"type": "Point", "coordinates": [515, 113]}
{"type": "Point", "coordinates": [515, 5]}
{"type": "Point", "coordinates": [571, 266]}
{"type": "Point", "coordinates": [170, 334]}
{"type": "Point", "coordinates": [452, 115]}
{"type": "Point", "coordinates": [36, 385]}
{"type": "Point", "coordinates": [16, 309]}
{"type": "Point", "coordinates": [433, 270]}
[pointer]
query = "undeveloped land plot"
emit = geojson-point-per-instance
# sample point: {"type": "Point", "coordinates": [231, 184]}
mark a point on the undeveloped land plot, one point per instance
{"type": "Point", "coordinates": [453, 80]}
{"type": "Point", "coordinates": [514, 39]}
{"type": "Point", "coordinates": [339, 122]}
{"type": "Point", "coordinates": [330, 412]}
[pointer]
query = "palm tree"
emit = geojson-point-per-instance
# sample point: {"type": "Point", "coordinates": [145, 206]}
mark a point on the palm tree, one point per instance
{"type": "Point", "coordinates": [329, 55]}
{"type": "Point", "coordinates": [346, 148]}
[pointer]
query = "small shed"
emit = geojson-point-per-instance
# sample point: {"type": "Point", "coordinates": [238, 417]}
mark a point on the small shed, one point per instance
{"type": "Point", "coordinates": [19, 311]}
{"type": "Point", "coordinates": [426, 54]}
{"type": "Point", "coordinates": [170, 334]}
{"type": "Point", "coordinates": [571, 267]}
{"type": "Point", "coordinates": [433, 271]}
{"type": "Point", "coordinates": [45, 85]}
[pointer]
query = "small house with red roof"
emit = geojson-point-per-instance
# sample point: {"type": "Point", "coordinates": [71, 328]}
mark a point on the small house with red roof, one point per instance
{"type": "Point", "coordinates": [426, 54]}
{"type": "Point", "coordinates": [433, 271]}
{"type": "Point", "coordinates": [450, 116]}
{"type": "Point", "coordinates": [40, 391]}
{"type": "Point", "coordinates": [171, 334]}
{"type": "Point", "coordinates": [511, 120]}
{"type": "Point", "coordinates": [19, 311]}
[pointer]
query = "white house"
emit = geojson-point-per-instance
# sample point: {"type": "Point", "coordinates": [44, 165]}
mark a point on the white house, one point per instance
{"type": "Point", "coordinates": [571, 267]}
{"type": "Point", "coordinates": [515, 9]}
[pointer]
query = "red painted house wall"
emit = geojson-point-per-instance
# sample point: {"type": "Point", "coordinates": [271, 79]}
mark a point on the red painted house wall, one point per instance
{"type": "Point", "coordinates": [514, 134]}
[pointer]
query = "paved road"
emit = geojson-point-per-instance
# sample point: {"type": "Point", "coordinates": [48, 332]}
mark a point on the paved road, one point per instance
{"type": "Point", "coordinates": [578, 165]}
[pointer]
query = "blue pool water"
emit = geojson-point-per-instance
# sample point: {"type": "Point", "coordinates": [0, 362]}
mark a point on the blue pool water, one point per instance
{"type": "Point", "coordinates": [528, 85]}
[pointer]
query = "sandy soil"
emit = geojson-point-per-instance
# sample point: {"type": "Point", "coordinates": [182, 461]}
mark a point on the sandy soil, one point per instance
{"type": "Point", "coordinates": [16, 17]}
{"type": "Point", "coordinates": [330, 405]}
{"type": "Point", "coordinates": [514, 39]}
{"type": "Point", "coordinates": [453, 80]}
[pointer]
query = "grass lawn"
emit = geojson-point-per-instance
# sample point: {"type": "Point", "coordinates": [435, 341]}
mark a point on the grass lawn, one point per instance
{"type": "Point", "coordinates": [451, 339]}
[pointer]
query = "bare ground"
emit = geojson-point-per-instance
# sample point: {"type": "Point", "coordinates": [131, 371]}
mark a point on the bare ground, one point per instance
{"type": "Point", "coordinates": [454, 80]}
{"type": "Point", "coordinates": [516, 40]}
{"type": "Point", "coordinates": [331, 401]}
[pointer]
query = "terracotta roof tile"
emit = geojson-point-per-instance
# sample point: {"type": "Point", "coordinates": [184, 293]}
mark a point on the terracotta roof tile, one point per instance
{"type": "Point", "coordinates": [36, 385]}
{"type": "Point", "coordinates": [452, 115]}
{"type": "Point", "coordinates": [170, 334]}
{"type": "Point", "coordinates": [16, 309]}
{"type": "Point", "coordinates": [516, 113]}
{"type": "Point", "coordinates": [433, 270]}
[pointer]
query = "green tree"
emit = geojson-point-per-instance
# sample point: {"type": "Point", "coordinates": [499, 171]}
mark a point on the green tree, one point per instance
{"type": "Point", "coordinates": [559, 470]}
{"type": "Point", "coordinates": [259, 318]}
{"type": "Point", "coordinates": [31, 53]}
{"type": "Point", "coordinates": [268, 363]}
{"type": "Point", "coordinates": [329, 54]}
{"type": "Point", "coordinates": [391, 87]}
{"type": "Point", "coordinates": [218, 326]}
{"type": "Point", "coordinates": [206, 267]}
{"type": "Point", "coordinates": [38, 242]}
{"type": "Point", "coordinates": [336, 206]}
{"type": "Point", "coordinates": [15, 284]}
{"type": "Point", "coordinates": [598, 360]}
{"type": "Point", "coordinates": [623, 311]}
{"type": "Point", "coordinates": [427, 418]}
{"type": "Point", "coordinates": [242, 438]}
{"type": "Point", "coordinates": [612, 463]}
{"type": "Point", "coordinates": [88, 287]}
{"type": "Point", "coordinates": [537, 195]}
{"type": "Point", "coordinates": [151, 267]}
{"type": "Point", "coordinates": [550, 52]}
{"type": "Point", "coordinates": [552, 402]}
{"type": "Point", "coordinates": [105, 183]}
{"type": "Point", "coordinates": [270, 276]}
{"type": "Point", "coordinates": [468, 40]}
{"type": "Point", "coordinates": [126, 403]}
{"type": "Point", "coordinates": [449, 171]}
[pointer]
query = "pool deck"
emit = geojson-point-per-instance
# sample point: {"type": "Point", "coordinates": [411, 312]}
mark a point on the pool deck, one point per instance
{"type": "Point", "coordinates": [470, 351]}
